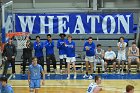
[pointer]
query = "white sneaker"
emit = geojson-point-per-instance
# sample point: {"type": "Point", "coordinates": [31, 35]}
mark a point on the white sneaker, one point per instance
{"type": "Point", "coordinates": [61, 72]}
{"type": "Point", "coordinates": [75, 76]}
{"type": "Point", "coordinates": [68, 77]}
{"type": "Point", "coordinates": [13, 76]}
{"type": "Point", "coordinates": [118, 72]}
{"type": "Point", "coordinates": [55, 71]}
{"type": "Point", "coordinates": [48, 74]}
{"type": "Point", "coordinates": [122, 72]}
{"type": "Point", "coordinates": [85, 76]}
{"type": "Point", "coordinates": [90, 77]}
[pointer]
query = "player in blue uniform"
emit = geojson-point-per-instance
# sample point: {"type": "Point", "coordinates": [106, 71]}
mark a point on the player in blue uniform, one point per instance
{"type": "Point", "coordinates": [50, 55]}
{"type": "Point", "coordinates": [38, 47]}
{"type": "Point", "coordinates": [70, 52]}
{"type": "Point", "coordinates": [62, 51]}
{"type": "Point", "coordinates": [89, 48]}
{"type": "Point", "coordinates": [34, 76]}
{"type": "Point", "coordinates": [4, 87]}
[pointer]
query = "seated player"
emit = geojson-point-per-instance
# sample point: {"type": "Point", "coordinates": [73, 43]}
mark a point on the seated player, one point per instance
{"type": "Point", "coordinates": [34, 76]}
{"type": "Point", "coordinates": [99, 55]}
{"type": "Point", "coordinates": [4, 87]}
{"type": "Point", "coordinates": [110, 58]}
{"type": "Point", "coordinates": [94, 87]}
{"type": "Point", "coordinates": [129, 89]}
{"type": "Point", "coordinates": [133, 55]}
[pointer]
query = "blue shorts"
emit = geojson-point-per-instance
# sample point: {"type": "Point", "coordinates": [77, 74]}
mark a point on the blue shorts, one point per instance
{"type": "Point", "coordinates": [34, 83]}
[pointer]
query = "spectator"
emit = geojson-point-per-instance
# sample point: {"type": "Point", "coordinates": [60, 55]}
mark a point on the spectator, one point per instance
{"type": "Point", "coordinates": [9, 54]}
{"type": "Point", "coordinates": [49, 45]}
{"type": "Point", "coordinates": [99, 55]}
{"type": "Point", "coordinates": [62, 51]}
{"type": "Point", "coordinates": [89, 47]}
{"type": "Point", "coordinates": [110, 59]}
{"type": "Point", "coordinates": [133, 55]}
{"type": "Point", "coordinates": [38, 47]}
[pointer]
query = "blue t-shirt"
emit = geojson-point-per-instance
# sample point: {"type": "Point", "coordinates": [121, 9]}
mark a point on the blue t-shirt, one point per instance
{"type": "Point", "coordinates": [70, 48]}
{"type": "Point", "coordinates": [7, 89]}
{"type": "Point", "coordinates": [38, 47]}
{"type": "Point", "coordinates": [35, 71]}
{"type": "Point", "coordinates": [49, 47]}
{"type": "Point", "coordinates": [91, 51]}
{"type": "Point", "coordinates": [61, 46]}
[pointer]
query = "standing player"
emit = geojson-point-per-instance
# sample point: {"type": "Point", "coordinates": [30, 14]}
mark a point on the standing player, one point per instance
{"type": "Point", "coordinates": [38, 47]}
{"type": "Point", "coordinates": [94, 87]}
{"type": "Point", "coordinates": [70, 52]}
{"type": "Point", "coordinates": [62, 51]}
{"type": "Point", "coordinates": [0, 54]}
{"type": "Point", "coordinates": [5, 88]}
{"type": "Point", "coordinates": [27, 53]}
{"type": "Point", "coordinates": [99, 55]}
{"type": "Point", "coordinates": [89, 47]}
{"type": "Point", "coordinates": [133, 55]}
{"type": "Point", "coordinates": [121, 53]}
{"type": "Point", "coordinates": [49, 45]}
{"type": "Point", "coordinates": [34, 76]}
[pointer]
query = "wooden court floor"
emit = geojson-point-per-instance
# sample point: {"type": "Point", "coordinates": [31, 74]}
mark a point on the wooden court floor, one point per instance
{"type": "Point", "coordinates": [74, 86]}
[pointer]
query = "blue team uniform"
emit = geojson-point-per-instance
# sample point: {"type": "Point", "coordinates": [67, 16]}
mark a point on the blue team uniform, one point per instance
{"type": "Point", "coordinates": [6, 89]}
{"type": "Point", "coordinates": [35, 75]}
{"type": "Point", "coordinates": [61, 46]}
{"type": "Point", "coordinates": [91, 51]}
{"type": "Point", "coordinates": [0, 86]}
{"type": "Point", "coordinates": [49, 47]}
{"type": "Point", "coordinates": [70, 49]}
{"type": "Point", "coordinates": [38, 47]}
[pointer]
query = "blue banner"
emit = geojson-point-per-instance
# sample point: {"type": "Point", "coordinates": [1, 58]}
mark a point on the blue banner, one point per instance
{"type": "Point", "coordinates": [80, 23]}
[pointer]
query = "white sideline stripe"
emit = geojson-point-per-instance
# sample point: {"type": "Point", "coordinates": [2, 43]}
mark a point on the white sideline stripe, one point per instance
{"type": "Point", "coordinates": [10, 77]}
{"type": "Point", "coordinates": [112, 89]}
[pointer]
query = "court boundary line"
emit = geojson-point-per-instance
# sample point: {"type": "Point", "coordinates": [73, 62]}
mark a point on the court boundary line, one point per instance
{"type": "Point", "coordinates": [104, 88]}
{"type": "Point", "coordinates": [10, 77]}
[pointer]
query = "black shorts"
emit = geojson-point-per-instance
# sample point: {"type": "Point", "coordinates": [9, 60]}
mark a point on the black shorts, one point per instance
{"type": "Point", "coordinates": [110, 62]}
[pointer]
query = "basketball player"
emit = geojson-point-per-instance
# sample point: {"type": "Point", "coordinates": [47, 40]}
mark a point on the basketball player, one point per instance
{"type": "Point", "coordinates": [89, 47]}
{"type": "Point", "coordinates": [99, 55]}
{"type": "Point", "coordinates": [121, 53]}
{"type": "Point", "coordinates": [70, 52]}
{"type": "Point", "coordinates": [129, 89]}
{"type": "Point", "coordinates": [5, 88]}
{"type": "Point", "coordinates": [62, 51]}
{"type": "Point", "coordinates": [110, 59]}
{"type": "Point", "coordinates": [38, 47]}
{"type": "Point", "coordinates": [0, 54]}
{"type": "Point", "coordinates": [34, 76]}
{"type": "Point", "coordinates": [94, 87]}
{"type": "Point", "coordinates": [133, 55]}
{"type": "Point", "coordinates": [49, 45]}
